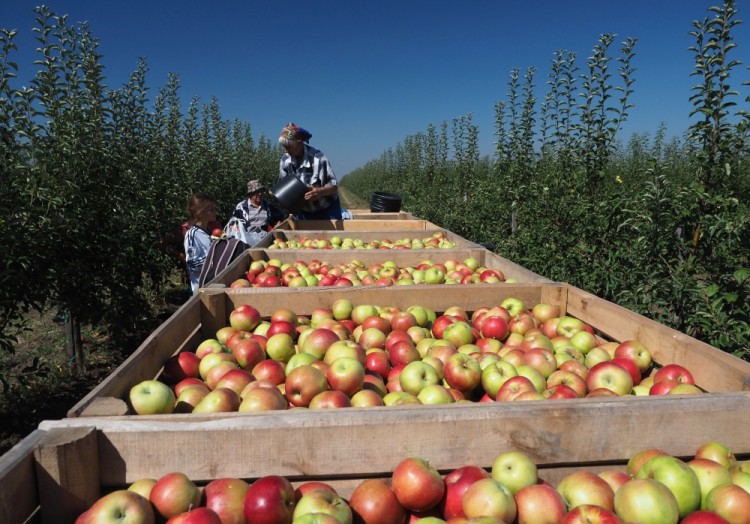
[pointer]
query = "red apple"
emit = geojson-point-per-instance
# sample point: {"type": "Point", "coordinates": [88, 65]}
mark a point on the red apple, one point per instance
{"type": "Point", "coordinates": [270, 499]}
{"type": "Point", "coordinates": [674, 372]}
{"type": "Point", "coordinates": [610, 376]}
{"type": "Point", "coordinates": [417, 484]}
{"type": "Point", "coordinates": [181, 366]}
{"type": "Point", "coordinates": [303, 383]}
{"type": "Point", "coordinates": [539, 504]}
{"type": "Point", "coordinates": [590, 514]}
{"type": "Point", "coordinates": [226, 496]}
{"type": "Point", "coordinates": [374, 502]}
{"type": "Point", "coordinates": [263, 399]}
{"type": "Point", "coordinates": [244, 318]}
{"type": "Point", "coordinates": [174, 493]}
{"type": "Point", "coordinates": [635, 351]}
{"type": "Point", "coordinates": [456, 484]}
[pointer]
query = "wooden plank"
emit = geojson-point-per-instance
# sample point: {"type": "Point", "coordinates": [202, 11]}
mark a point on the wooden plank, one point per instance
{"type": "Point", "coordinates": [150, 356]}
{"type": "Point", "coordinates": [360, 442]}
{"type": "Point", "coordinates": [19, 495]}
{"type": "Point", "coordinates": [713, 369]}
{"type": "Point", "coordinates": [67, 468]}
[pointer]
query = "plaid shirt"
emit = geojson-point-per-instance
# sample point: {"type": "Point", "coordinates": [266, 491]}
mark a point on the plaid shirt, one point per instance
{"type": "Point", "coordinates": [314, 170]}
{"type": "Point", "coordinates": [197, 242]}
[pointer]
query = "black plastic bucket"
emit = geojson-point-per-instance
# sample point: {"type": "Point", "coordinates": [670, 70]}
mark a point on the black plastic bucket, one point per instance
{"type": "Point", "coordinates": [290, 192]}
{"type": "Point", "coordinates": [382, 202]}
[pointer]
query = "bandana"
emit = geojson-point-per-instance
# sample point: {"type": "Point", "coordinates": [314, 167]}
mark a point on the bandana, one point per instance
{"type": "Point", "coordinates": [292, 132]}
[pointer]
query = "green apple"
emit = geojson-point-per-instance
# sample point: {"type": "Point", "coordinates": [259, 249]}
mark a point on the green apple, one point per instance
{"type": "Point", "coordinates": [151, 397]}
{"type": "Point", "coordinates": [678, 477]}
{"type": "Point", "coordinates": [515, 470]}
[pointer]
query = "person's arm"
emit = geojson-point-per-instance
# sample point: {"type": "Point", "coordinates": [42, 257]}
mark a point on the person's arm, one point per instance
{"type": "Point", "coordinates": [329, 182]}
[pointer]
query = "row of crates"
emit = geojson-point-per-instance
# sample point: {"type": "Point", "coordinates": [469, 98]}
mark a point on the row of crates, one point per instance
{"type": "Point", "coordinates": [61, 468]}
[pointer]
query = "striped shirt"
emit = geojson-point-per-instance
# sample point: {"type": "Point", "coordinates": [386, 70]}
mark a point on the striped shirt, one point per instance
{"type": "Point", "coordinates": [197, 243]}
{"type": "Point", "coordinates": [314, 170]}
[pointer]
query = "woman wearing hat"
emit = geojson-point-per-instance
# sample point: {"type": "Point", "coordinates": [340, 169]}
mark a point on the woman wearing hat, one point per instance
{"type": "Point", "coordinates": [257, 214]}
{"type": "Point", "coordinates": [311, 166]}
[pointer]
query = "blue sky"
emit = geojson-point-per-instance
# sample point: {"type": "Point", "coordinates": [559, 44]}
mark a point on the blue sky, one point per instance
{"type": "Point", "coordinates": [361, 76]}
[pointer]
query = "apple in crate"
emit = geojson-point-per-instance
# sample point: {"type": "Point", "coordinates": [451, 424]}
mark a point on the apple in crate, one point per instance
{"type": "Point", "coordinates": [456, 484]}
{"type": "Point", "coordinates": [226, 496]}
{"type": "Point", "coordinates": [585, 487]}
{"type": "Point", "coordinates": [151, 397]}
{"type": "Point", "coordinates": [489, 498]}
{"type": "Point", "coordinates": [539, 504]}
{"type": "Point", "coordinates": [373, 501]}
{"type": "Point", "coordinates": [244, 318]}
{"type": "Point", "coordinates": [646, 501]}
{"type": "Point", "coordinates": [270, 499]}
{"type": "Point", "coordinates": [515, 470]}
{"type": "Point", "coordinates": [196, 516]}
{"type": "Point", "coordinates": [590, 514]}
{"type": "Point", "coordinates": [322, 502]}
{"type": "Point", "coordinates": [119, 506]}
{"type": "Point", "coordinates": [417, 484]}
{"type": "Point", "coordinates": [174, 493]}
{"type": "Point", "coordinates": [678, 477]}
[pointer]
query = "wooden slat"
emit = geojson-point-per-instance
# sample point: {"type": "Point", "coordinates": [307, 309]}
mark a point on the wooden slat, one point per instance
{"type": "Point", "coordinates": [67, 465]}
{"type": "Point", "coordinates": [19, 495]}
{"type": "Point", "coordinates": [360, 442]}
{"type": "Point", "coordinates": [149, 358]}
{"type": "Point", "coordinates": [713, 369]}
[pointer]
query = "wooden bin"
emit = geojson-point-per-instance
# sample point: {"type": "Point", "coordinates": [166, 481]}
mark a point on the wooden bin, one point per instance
{"type": "Point", "coordinates": [64, 466]}
{"type": "Point", "coordinates": [383, 223]}
{"type": "Point", "coordinates": [204, 314]}
{"type": "Point", "coordinates": [366, 235]}
{"type": "Point", "coordinates": [402, 257]}
{"type": "Point", "coordinates": [366, 214]}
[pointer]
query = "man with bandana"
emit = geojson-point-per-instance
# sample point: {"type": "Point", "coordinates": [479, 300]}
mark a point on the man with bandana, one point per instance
{"type": "Point", "coordinates": [311, 167]}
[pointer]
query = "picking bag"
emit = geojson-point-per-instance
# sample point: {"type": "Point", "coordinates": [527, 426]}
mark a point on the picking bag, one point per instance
{"type": "Point", "coordinates": [222, 252]}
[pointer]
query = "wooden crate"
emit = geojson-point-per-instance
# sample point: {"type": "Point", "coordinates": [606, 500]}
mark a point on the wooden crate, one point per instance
{"type": "Point", "coordinates": [204, 314]}
{"type": "Point", "coordinates": [402, 257]}
{"type": "Point", "coordinates": [383, 223]}
{"type": "Point", "coordinates": [61, 468]}
{"type": "Point", "coordinates": [366, 235]}
{"type": "Point", "coordinates": [366, 214]}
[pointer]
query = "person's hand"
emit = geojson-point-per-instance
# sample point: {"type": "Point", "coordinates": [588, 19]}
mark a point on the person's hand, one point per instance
{"type": "Point", "coordinates": [314, 193]}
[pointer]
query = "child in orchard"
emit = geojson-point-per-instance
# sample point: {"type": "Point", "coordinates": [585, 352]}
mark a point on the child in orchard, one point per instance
{"type": "Point", "coordinates": [202, 214]}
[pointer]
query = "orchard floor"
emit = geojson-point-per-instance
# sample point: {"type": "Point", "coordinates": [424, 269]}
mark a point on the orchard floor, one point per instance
{"type": "Point", "coordinates": [37, 382]}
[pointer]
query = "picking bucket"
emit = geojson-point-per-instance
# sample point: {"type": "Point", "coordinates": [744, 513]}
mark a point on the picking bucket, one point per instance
{"type": "Point", "coordinates": [382, 202]}
{"type": "Point", "coordinates": [290, 192]}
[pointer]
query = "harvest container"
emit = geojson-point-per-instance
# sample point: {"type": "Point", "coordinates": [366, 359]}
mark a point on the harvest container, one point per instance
{"type": "Point", "coordinates": [367, 214]}
{"type": "Point", "coordinates": [402, 258]}
{"type": "Point", "coordinates": [383, 224]}
{"type": "Point", "coordinates": [200, 318]}
{"type": "Point", "coordinates": [370, 230]}
{"type": "Point", "coordinates": [64, 466]}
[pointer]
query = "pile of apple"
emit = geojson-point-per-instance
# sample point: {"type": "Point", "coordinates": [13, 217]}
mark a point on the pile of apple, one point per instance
{"type": "Point", "coordinates": [367, 355]}
{"type": "Point", "coordinates": [316, 273]}
{"type": "Point", "coordinates": [438, 240]}
{"type": "Point", "coordinates": [654, 488]}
